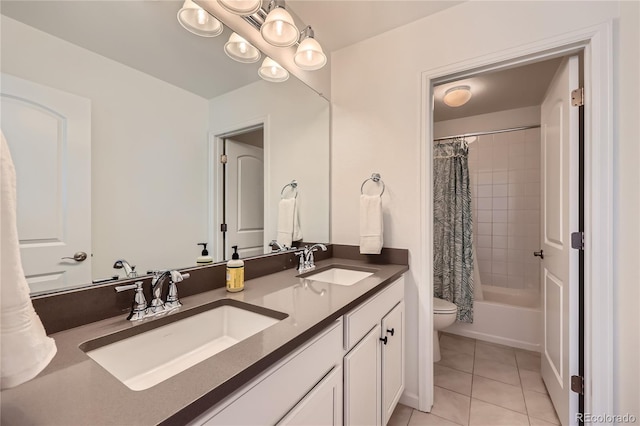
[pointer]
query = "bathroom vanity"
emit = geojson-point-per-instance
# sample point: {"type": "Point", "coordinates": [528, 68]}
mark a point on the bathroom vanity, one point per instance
{"type": "Point", "coordinates": [317, 361]}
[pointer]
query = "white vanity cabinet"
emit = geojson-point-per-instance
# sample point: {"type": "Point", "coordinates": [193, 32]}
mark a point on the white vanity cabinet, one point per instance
{"type": "Point", "coordinates": [304, 388]}
{"type": "Point", "coordinates": [374, 363]}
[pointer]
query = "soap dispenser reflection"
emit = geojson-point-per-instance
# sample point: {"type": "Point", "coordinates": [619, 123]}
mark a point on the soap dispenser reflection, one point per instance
{"type": "Point", "coordinates": [204, 257]}
{"type": "Point", "coordinates": [235, 272]}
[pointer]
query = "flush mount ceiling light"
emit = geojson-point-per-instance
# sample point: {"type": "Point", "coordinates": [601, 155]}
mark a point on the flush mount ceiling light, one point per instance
{"type": "Point", "coordinates": [278, 28]}
{"type": "Point", "coordinates": [239, 49]}
{"type": "Point", "coordinates": [241, 7]}
{"type": "Point", "coordinates": [457, 96]}
{"type": "Point", "coordinates": [270, 70]}
{"type": "Point", "coordinates": [198, 21]}
{"type": "Point", "coordinates": [309, 55]}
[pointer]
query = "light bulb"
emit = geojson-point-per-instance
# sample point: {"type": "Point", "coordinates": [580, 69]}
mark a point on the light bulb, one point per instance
{"type": "Point", "coordinates": [239, 49]}
{"type": "Point", "coordinates": [202, 17]}
{"type": "Point", "coordinates": [270, 70]}
{"type": "Point", "coordinates": [243, 47]}
{"type": "Point", "coordinates": [309, 55]}
{"type": "Point", "coordinates": [279, 28]}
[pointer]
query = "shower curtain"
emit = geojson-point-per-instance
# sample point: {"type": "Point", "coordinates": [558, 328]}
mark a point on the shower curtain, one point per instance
{"type": "Point", "coordinates": [453, 226]}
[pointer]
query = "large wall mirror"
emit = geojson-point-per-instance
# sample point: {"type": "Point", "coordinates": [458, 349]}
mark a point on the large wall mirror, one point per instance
{"type": "Point", "coordinates": [159, 106]}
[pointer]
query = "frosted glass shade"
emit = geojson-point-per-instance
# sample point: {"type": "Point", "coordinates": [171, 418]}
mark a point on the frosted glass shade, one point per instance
{"type": "Point", "coordinates": [241, 7]}
{"type": "Point", "coordinates": [198, 21]}
{"type": "Point", "coordinates": [270, 70]}
{"type": "Point", "coordinates": [239, 49]}
{"type": "Point", "coordinates": [457, 96]}
{"type": "Point", "coordinates": [309, 55]}
{"type": "Point", "coordinates": [278, 28]}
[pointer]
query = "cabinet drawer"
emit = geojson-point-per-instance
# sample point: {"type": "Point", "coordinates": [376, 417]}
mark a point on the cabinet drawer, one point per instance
{"type": "Point", "coordinates": [267, 399]}
{"type": "Point", "coordinates": [360, 320]}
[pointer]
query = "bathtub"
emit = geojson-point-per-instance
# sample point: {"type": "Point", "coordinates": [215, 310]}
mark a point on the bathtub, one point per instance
{"type": "Point", "coordinates": [505, 316]}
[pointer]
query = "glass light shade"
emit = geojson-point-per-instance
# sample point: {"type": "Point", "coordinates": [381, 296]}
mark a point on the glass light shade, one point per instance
{"type": "Point", "coordinates": [198, 21]}
{"type": "Point", "coordinates": [241, 7]}
{"type": "Point", "coordinates": [270, 70]}
{"type": "Point", "coordinates": [309, 55]}
{"type": "Point", "coordinates": [457, 96]}
{"type": "Point", "coordinates": [278, 29]}
{"type": "Point", "coordinates": [239, 49]}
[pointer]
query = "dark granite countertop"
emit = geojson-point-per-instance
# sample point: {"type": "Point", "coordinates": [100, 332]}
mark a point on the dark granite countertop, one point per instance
{"type": "Point", "coordinates": [75, 390]}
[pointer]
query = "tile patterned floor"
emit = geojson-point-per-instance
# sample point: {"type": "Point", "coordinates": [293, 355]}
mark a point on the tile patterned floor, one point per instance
{"type": "Point", "coordinates": [479, 383]}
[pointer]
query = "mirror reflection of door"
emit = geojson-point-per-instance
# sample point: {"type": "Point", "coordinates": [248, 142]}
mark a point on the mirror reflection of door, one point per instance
{"type": "Point", "coordinates": [243, 197]}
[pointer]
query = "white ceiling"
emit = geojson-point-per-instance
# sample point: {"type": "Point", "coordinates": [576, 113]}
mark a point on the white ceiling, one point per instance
{"type": "Point", "coordinates": [146, 35]}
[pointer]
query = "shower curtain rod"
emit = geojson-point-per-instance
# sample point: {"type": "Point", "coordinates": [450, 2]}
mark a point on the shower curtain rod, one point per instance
{"type": "Point", "coordinates": [513, 129]}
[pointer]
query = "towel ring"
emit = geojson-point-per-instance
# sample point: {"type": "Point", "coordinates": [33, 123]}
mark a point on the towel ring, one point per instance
{"type": "Point", "coordinates": [294, 187]}
{"type": "Point", "coordinates": [376, 178]}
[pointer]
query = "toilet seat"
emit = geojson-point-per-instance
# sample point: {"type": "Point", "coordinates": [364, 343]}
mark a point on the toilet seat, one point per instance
{"type": "Point", "coordinates": [441, 306]}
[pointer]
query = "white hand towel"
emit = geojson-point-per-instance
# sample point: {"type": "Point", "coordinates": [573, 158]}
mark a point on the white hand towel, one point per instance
{"type": "Point", "coordinates": [288, 222]}
{"type": "Point", "coordinates": [26, 349]}
{"type": "Point", "coordinates": [370, 224]}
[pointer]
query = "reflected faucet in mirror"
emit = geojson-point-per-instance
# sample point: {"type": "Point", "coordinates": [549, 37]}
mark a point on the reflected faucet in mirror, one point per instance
{"type": "Point", "coordinates": [129, 270]}
{"type": "Point", "coordinates": [277, 247]}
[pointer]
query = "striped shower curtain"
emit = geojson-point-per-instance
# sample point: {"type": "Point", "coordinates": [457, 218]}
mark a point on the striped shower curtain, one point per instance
{"type": "Point", "coordinates": [453, 227]}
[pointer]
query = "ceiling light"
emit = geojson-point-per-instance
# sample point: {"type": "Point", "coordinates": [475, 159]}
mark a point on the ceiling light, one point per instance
{"type": "Point", "coordinates": [309, 55]}
{"type": "Point", "coordinates": [239, 49]}
{"type": "Point", "coordinates": [270, 70]}
{"type": "Point", "coordinates": [457, 96]}
{"type": "Point", "coordinates": [241, 7]}
{"type": "Point", "coordinates": [278, 28]}
{"type": "Point", "coordinates": [198, 21]}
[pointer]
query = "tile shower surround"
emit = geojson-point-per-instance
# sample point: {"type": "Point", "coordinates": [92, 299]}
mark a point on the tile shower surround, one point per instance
{"type": "Point", "coordinates": [504, 169]}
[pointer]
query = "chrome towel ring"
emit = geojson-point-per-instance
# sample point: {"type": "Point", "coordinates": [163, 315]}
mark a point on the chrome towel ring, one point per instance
{"type": "Point", "coordinates": [294, 187]}
{"type": "Point", "coordinates": [376, 178]}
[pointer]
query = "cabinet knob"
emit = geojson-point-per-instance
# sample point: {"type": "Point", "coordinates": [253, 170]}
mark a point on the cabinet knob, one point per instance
{"type": "Point", "coordinates": [384, 340]}
{"type": "Point", "coordinates": [393, 330]}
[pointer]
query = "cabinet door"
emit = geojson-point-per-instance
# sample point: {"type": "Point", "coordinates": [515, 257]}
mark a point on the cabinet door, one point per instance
{"type": "Point", "coordinates": [362, 381]}
{"type": "Point", "coordinates": [322, 406]}
{"type": "Point", "coordinates": [392, 360]}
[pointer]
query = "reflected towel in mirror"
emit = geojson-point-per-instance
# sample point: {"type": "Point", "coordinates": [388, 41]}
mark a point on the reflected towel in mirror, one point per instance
{"type": "Point", "coordinates": [288, 222]}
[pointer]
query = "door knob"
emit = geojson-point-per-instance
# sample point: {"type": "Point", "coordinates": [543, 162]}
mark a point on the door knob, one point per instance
{"type": "Point", "coordinates": [540, 254]}
{"type": "Point", "coordinates": [78, 257]}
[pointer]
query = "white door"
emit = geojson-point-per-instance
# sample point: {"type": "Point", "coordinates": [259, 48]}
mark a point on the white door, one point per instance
{"type": "Point", "coordinates": [559, 219]}
{"type": "Point", "coordinates": [244, 199]}
{"type": "Point", "coordinates": [49, 136]}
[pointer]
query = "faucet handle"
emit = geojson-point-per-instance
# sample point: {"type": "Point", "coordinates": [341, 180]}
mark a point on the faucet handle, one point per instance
{"type": "Point", "coordinates": [172, 296]}
{"type": "Point", "coordinates": [139, 305]}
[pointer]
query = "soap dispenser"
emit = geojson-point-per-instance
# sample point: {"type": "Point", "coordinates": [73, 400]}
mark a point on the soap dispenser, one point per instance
{"type": "Point", "coordinates": [235, 272]}
{"type": "Point", "coordinates": [204, 258]}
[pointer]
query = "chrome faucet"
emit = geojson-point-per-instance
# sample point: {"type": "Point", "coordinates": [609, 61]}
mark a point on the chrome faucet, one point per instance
{"type": "Point", "coordinates": [307, 261]}
{"type": "Point", "coordinates": [129, 271]}
{"type": "Point", "coordinates": [276, 246]}
{"type": "Point", "coordinates": [309, 256]}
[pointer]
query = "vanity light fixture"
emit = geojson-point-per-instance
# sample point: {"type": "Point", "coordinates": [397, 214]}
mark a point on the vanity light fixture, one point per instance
{"type": "Point", "coordinates": [241, 7]}
{"type": "Point", "coordinates": [239, 49]}
{"type": "Point", "coordinates": [270, 70]}
{"type": "Point", "coordinates": [278, 28]}
{"type": "Point", "coordinates": [457, 96]}
{"type": "Point", "coordinates": [198, 21]}
{"type": "Point", "coordinates": [309, 55]}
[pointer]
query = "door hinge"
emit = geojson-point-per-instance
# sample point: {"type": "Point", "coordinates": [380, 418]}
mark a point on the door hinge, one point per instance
{"type": "Point", "coordinates": [577, 97]}
{"type": "Point", "coordinates": [577, 240]}
{"type": "Point", "coordinates": [223, 227]}
{"type": "Point", "coordinates": [223, 158]}
{"type": "Point", "coordinates": [577, 384]}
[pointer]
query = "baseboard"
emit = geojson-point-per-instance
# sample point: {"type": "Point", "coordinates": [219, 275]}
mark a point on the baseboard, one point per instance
{"type": "Point", "coordinates": [410, 400]}
{"type": "Point", "coordinates": [494, 339]}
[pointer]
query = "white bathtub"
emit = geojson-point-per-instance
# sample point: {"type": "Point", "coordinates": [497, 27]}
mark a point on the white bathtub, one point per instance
{"type": "Point", "coordinates": [505, 316]}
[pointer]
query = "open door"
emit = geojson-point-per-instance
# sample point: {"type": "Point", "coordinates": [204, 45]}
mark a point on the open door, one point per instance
{"type": "Point", "coordinates": [560, 210]}
{"type": "Point", "coordinates": [49, 135]}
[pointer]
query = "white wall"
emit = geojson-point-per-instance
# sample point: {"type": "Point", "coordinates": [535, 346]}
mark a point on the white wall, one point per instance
{"type": "Point", "coordinates": [377, 122]}
{"type": "Point", "coordinates": [149, 150]}
{"type": "Point", "coordinates": [296, 146]}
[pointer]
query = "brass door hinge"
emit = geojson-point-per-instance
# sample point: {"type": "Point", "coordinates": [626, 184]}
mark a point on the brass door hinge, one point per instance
{"type": "Point", "coordinates": [577, 97]}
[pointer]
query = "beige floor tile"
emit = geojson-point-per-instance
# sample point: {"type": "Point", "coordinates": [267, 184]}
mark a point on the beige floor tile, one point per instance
{"type": "Point", "coordinates": [419, 418]}
{"type": "Point", "coordinates": [456, 360]}
{"type": "Point", "coordinates": [532, 380]}
{"type": "Point", "coordinates": [455, 380]}
{"type": "Point", "coordinates": [461, 344]}
{"type": "Point", "coordinates": [504, 373]}
{"type": "Point", "coordinates": [539, 422]}
{"type": "Point", "coordinates": [400, 416]}
{"type": "Point", "coordinates": [539, 406]}
{"type": "Point", "coordinates": [498, 393]}
{"type": "Point", "coordinates": [450, 405]}
{"type": "Point", "coordinates": [528, 360]}
{"type": "Point", "coordinates": [496, 353]}
{"type": "Point", "coordinates": [485, 414]}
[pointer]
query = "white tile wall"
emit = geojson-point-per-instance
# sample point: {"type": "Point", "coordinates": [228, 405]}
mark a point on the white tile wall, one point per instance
{"type": "Point", "coordinates": [505, 190]}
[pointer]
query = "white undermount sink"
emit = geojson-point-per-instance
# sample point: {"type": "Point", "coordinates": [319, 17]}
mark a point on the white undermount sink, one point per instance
{"type": "Point", "coordinates": [151, 356]}
{"type": "Point", "coordinates": [339, 276]}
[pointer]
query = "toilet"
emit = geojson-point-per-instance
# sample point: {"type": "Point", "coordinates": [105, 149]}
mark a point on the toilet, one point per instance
{"type": "Point", "coordinates": [444, 315]}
